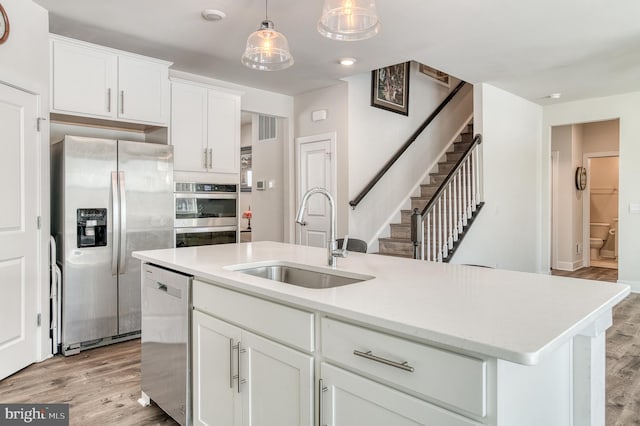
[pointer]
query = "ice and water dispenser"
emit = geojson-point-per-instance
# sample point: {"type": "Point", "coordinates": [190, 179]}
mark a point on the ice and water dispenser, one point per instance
{"type": "Point", "coordinates": [92, 227]}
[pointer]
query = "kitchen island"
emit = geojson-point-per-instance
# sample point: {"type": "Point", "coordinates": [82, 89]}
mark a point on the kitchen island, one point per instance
{"type": "Point", "coordinates": [414, 343]}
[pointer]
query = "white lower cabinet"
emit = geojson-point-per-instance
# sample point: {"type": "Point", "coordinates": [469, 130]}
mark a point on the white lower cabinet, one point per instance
{"type": "Point", "coordinates": [257, 378]}
{"type": "Point", "coordinates": [214, 365]}
{"type": "Point", "coordinates": [350, 399]}
{"type": "Point", "coordinates": [279, 384]}
{"type": "Point", "coordinates": [240, 378]}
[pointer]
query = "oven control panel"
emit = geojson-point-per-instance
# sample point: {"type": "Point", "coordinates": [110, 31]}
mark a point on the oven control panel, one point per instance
{"type": "Point", "coordinates": [205, 187]}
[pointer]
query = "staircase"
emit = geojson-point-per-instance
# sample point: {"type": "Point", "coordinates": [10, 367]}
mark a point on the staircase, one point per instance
{"type": "Point", "coordinates": [457, 220]}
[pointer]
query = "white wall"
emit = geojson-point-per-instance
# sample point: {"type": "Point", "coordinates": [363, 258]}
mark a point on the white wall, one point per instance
{"type": "Point", "coordinates": [376, 134]}
{"type": "Point", "coordinates": [626, 107]}
{"type": "Point", "coordinates": [25, 65]}
{"type": "Point", "coordinates": [604, 189]}
{"type": "Point", "coordinates": [333, 99]}
{"type": "Point", "coordinates": [268, 219]}
{"type": "Point", "coordinates": [505, 234]}
{"type": "Point", "coordinates": [601, 136]}
{"type": "Point", "coordinates": [576, 197]}
{"type": "Point", "coordinates": [568, 141]}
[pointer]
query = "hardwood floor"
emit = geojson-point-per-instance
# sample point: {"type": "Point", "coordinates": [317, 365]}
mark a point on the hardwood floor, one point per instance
{"type": "Point", "coordinates": [590, 273]}
{"type": "Point", "coordinates": [623, 364]}
{"type": "Point", "coordinates": [101, 386]}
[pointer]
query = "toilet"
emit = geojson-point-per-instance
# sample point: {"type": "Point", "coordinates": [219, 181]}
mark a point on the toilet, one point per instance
{"type": "Point", "coordinates": [610, 248]}
{"type": "Point", "coordinates": [599, 231]}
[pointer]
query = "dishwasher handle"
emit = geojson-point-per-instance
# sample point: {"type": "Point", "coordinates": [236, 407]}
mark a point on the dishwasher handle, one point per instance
{"type": "Point", "coordinates": [165, 288]}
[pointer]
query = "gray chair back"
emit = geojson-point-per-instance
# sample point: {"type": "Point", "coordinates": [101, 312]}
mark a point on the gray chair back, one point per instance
{"type": "Point", "coordinates": [353, 244]}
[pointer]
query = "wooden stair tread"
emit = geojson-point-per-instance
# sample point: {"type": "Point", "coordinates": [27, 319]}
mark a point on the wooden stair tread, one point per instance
{"type": "Point", "coordinates": [399, 243]}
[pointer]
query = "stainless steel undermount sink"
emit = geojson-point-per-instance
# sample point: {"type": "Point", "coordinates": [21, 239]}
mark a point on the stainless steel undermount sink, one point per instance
{"type": "Point", "coordinates": [299, 275]}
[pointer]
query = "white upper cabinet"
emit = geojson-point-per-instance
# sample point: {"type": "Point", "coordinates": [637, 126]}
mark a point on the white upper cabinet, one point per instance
{"type": "Point", "coordinates": [223, 136]}
{"type": "Point", "coordinates": [205, 128]}
{"type": "Point", "coordinates": [98, 82]}
{"type": "Point", "coordinates": [83, 80]}
{"type": "Point", "coordinates": [189, 127]}
{"type": "Point", "coordinates": [143, 88]}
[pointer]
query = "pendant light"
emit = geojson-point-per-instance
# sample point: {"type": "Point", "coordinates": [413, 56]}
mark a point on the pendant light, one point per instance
{"type": "Point", "coordinates": [267, 49]}
{"type": "Point", "coordinates": [349, 20]}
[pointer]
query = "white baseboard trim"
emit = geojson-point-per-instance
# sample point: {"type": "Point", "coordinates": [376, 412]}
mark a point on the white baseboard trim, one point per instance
{"type": "Point", "coordinates": [569, 266]}
{"type": "Point", "coordinates": [635, 285]}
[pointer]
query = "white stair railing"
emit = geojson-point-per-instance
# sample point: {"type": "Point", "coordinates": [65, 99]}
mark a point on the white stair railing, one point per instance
{"type": "Point", "coordinates": [437, 228]}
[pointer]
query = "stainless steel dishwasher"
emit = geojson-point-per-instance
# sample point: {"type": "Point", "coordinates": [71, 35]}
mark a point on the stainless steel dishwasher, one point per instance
{"type": "Point", "coordinates": [166, 331]}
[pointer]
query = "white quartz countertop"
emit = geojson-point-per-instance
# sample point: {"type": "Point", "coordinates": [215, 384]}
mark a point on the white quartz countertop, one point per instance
{"type": "Point", "coordinates": [515, 316]}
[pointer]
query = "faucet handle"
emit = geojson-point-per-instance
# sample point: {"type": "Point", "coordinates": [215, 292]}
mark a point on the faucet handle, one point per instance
{"type": "Point", "coordinates": [342, 252]}
{"type": "Point", "coordinates": [344, 243]}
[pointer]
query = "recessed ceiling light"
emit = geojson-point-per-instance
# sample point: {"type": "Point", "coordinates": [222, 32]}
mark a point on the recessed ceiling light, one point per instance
{"type": "Point", "coordinates": [213, 14]}
{"type": "Point", "coordinates": [347, 62]}
{"type": "Point", "coordinates": [555, 95]}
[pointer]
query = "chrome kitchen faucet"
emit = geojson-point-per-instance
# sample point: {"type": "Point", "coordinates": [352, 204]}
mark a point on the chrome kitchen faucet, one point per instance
{"type": "Point", "coordinates": [332, 247]}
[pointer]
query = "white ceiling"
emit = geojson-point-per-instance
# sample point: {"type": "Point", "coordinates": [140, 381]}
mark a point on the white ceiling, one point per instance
{"type": "Point", "coordinates": [581, 48]}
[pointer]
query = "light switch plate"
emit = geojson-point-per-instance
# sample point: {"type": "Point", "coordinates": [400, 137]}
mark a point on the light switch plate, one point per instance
{"type": "Point", "coordinates": [319, 115]}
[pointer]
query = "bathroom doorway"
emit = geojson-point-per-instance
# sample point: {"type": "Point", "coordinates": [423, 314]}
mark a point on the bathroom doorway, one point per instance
{"type": "Point", "coordinates": [581, 153]}
{"type": "Point", "coordinates": [601, 209]}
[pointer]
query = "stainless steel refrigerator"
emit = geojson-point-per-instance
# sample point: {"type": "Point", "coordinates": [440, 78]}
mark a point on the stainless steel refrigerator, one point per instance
{"type": "Point", "coordinates": [108, 199]}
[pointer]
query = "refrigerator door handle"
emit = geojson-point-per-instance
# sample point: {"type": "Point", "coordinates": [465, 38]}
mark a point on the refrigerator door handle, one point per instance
{"type": "Point", "coordinates": [123, 225]}
{"type": "Point", "coordinates": [115, 220]}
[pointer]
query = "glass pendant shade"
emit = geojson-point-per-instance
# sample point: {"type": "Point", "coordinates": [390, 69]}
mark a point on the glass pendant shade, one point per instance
{"type": "Point", "coordinates": [267, 50]}
{"type": "Point", "coordinates": [349, 20]}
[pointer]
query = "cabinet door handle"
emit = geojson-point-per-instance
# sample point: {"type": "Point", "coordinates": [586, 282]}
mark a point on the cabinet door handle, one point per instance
{"type": "Point", "coordinates": [240, 381]}
{"type": "Point", "coordinates": [204, 156]}
{"type": "Point", "coordinates": [109, 99]}
{"type": "Point", "coordinates": [321, 389]}
{"type": "Point", "coordinates": [211, 158]}
{"type": "Point", "coordinates": [122, 102]}
{"type": "Point", "coordinates": [369, 355]}
{"type": "Point", "coordinates": [231, 376]}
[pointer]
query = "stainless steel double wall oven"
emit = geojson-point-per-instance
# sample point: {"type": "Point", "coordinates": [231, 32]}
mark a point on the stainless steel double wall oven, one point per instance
{"type": "Point", "coordinates": [205, 214]}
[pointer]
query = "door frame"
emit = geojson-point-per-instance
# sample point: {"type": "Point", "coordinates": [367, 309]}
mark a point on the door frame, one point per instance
{"type": "Point", "coordinates": [555, 215]}
{"type": "Point", "coordinates": [332, 137]}
{"type": "Point", "coordinates": [586, 202]}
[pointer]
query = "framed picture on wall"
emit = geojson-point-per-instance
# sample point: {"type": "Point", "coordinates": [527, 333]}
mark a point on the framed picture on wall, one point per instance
{"type": "Point", "coordinates": [390, 88]}
{"type": "Point", "coordinates": [437, 75]}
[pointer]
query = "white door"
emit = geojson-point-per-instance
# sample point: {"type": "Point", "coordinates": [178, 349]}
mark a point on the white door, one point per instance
{"type": "Point", "coordinates": [315, 168]}
{"type": "Point", "coordinates": [279, 384]}
{"type": "Point", "coordinates": [215, 384]}
{"type": "Point", "coordinates": [18, 233]}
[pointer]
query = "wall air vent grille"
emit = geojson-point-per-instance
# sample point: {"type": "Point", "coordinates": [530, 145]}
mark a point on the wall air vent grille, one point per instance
{"type": "Point", "coordinates": [266, 128]}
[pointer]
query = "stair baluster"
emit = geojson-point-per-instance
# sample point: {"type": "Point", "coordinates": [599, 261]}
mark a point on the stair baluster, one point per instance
{"type": "Point", "coordinates": [452, 208]}
{"type": "Point", "coordinates": [453, 199]}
